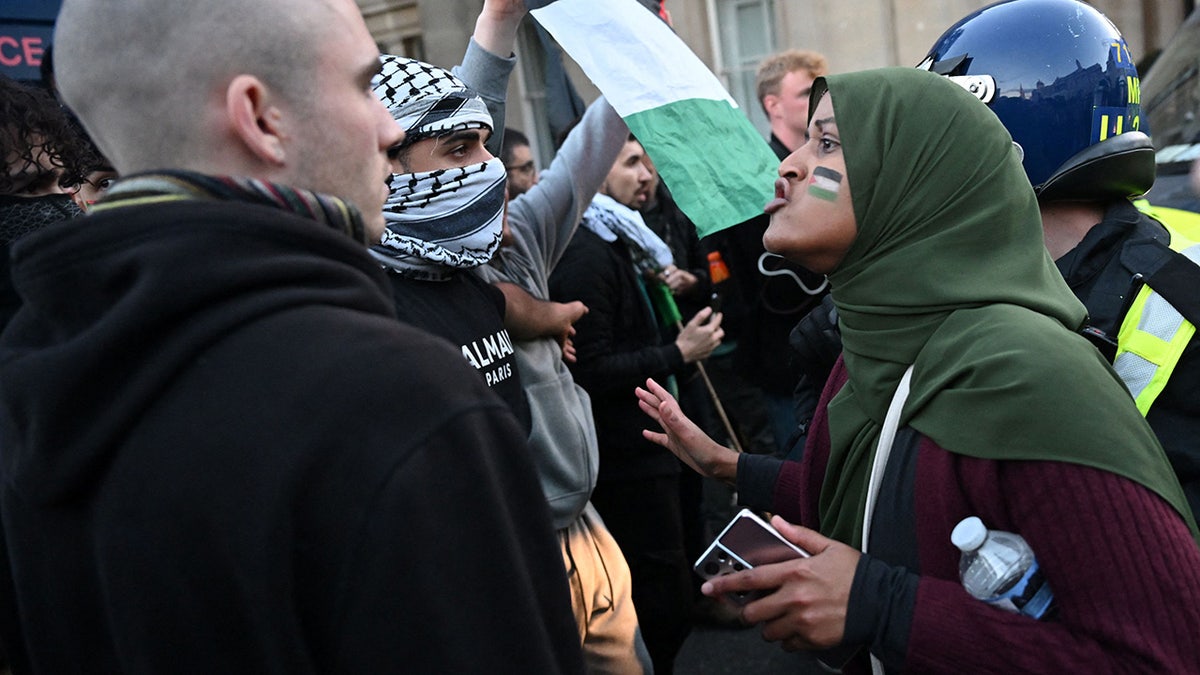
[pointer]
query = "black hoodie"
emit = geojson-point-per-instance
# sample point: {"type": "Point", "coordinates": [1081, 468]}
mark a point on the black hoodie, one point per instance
{"type": "Point", "coordinates": [222, 453]}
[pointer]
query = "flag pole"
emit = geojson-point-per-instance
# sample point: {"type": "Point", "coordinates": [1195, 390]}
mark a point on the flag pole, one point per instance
{"type": "Point", "coordinates": [717, 403]}
{"type": "Point", "coordinates": [670, 311]}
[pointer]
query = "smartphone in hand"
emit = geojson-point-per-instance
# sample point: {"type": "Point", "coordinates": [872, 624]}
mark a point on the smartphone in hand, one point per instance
{"type": "Point", "coordinates": [746, 542]}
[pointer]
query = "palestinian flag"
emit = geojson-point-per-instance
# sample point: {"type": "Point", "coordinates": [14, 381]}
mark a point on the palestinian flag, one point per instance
{"type": "Point", "coordinates": [825, 183]}
{"type": "Point", "coordinates": [719, 169]}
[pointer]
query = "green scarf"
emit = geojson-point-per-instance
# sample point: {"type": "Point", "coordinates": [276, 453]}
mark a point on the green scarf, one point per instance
{"type": "Point", "coordinates": [949, 272]}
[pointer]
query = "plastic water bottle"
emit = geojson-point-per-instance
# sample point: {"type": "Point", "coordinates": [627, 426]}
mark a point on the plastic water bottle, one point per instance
{"type": "Point", "coordinates": [1000, 569]}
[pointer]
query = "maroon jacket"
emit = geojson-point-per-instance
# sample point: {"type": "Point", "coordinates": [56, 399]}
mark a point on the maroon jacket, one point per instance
{"type": "Point", "coordinates": [1122, 563]}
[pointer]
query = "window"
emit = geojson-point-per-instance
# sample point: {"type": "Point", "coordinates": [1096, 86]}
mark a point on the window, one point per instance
{"type": "Point", "coordinates": [744, 37]}
{"type": "Point", "coordinates": [413, 47]}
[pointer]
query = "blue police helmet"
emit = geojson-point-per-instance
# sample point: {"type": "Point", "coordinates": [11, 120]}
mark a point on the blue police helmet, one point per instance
{"type": "Point", "coordinates": [1060, 77]}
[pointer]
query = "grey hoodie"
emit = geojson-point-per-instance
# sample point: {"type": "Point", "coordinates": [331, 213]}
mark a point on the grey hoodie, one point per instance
{"type": "Point", "coordinates": [543, 220]}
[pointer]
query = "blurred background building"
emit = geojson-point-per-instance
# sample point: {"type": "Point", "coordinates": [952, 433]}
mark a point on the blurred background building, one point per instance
{"type": "Point", "coordinates": [731, 37]}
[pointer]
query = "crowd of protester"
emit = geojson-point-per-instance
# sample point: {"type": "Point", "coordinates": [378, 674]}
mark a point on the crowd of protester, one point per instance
{"type": "Point", "coordinates": [307, 367]}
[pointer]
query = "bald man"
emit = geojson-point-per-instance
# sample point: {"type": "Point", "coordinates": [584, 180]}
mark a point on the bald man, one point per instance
{"type": "Point", "coordinates": [222, 453]}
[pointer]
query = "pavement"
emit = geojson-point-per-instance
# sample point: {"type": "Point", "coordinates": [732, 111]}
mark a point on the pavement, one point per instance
{"type": "Point", "coordinates": [712, 650]}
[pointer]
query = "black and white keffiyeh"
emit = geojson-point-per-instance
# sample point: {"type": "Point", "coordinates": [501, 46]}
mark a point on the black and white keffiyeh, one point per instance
{"type": "Point", "coordinates": [447, 219]}
{"type": "Point", "coordinates": [612, 220]}
{"type": "Point", "coordinates": [427, 100]}
{"type": "Point", "coordinates": [442, 220]}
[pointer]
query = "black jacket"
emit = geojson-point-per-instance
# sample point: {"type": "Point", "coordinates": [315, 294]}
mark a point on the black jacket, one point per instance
{"type": "Point", "coordinates": [221, 453]}
{"type": "Point", "coordinates": [677, 231]}
{"type": "Point", "coordinates": [618, 346]}
{"type": "Point", "coordinates": [761, 315]}
{"type": "Point", "coordinates": [1100, 273]}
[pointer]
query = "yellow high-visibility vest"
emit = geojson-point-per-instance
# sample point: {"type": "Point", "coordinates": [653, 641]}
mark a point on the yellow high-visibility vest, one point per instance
{"type": "Point", "coordinates": [1154, 334]}
{"type": "Point", "coordinates": [1186, 223]}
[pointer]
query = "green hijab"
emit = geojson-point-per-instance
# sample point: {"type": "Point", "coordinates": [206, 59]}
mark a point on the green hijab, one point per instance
{"type": "Point", "coordinates": [949, 272]}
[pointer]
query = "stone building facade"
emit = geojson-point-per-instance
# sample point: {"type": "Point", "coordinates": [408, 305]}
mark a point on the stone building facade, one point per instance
{"type": "Point", "coordinates": [731, 36]}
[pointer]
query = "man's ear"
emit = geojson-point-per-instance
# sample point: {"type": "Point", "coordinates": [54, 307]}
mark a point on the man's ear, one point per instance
{"type": "Point", "coordinates": [255, 119]}
{"type": "Point", "coordinates": [769, 103]}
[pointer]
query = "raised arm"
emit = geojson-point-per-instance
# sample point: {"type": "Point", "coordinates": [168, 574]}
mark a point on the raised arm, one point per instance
{"type": "Point", "coordinates": [488, 61]}
{"type": "Point", "coordinates": [497, 24]}
{"type": "Point", "coordinates": [546, 216]}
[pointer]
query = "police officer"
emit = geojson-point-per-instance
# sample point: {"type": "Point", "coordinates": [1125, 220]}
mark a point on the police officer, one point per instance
{"type": "Point", "coordinates": [1060, 77]}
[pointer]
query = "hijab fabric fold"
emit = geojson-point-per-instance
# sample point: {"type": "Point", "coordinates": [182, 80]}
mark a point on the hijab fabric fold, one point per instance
{"type": "Point", "coordinates": [949, 272]}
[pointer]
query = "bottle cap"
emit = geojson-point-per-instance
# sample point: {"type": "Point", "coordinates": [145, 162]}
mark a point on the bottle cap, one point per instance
{"type": "Point", "coordinates": [718, 271]}
{"type": "Point", "coordinates": [969, 534]}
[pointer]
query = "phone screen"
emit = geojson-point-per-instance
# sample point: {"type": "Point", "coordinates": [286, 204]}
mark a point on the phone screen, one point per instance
{"type": "Point", "coordinates": [745, 542]}
{"type": "Point", "coordinates": [752, 542]}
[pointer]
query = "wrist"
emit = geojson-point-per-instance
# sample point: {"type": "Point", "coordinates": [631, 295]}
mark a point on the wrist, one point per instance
{"type": "Point", "coordinates": [725, 467]}
{"type": "Point", "coordinates": [496, 31]}
{"type": "Point", "coordinates": [684, 354]}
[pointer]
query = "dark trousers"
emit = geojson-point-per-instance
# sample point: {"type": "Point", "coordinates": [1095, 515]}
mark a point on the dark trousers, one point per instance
{"type": "Point", "coordinates": [644, 517]}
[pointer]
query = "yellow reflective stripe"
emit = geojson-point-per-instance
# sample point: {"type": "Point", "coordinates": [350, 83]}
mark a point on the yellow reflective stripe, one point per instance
{"type": "Point", "coordinates": [1145, 361]}
{"type": "Point", "coordinates": [1154, 334]}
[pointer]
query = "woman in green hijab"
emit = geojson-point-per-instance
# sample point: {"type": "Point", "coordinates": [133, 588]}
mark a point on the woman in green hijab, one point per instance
{"type": "Point", "coordinates": [910, 195]}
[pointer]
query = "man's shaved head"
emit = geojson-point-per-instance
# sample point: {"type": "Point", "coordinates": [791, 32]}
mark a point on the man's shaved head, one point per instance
{"type": "Point", "coordinates": [178, 57]}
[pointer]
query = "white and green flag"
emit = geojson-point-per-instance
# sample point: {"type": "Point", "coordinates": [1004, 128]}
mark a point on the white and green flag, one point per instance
{"type": "Point", "coordinates": [719, 169]}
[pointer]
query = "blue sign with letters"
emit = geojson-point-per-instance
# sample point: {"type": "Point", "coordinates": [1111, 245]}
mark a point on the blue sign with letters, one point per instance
{"type": "Point", "coordinates": [26, 30]}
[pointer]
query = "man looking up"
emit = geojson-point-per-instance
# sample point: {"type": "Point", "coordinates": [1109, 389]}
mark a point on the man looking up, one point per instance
{"type": "Point", "coordinates": [220, 450]}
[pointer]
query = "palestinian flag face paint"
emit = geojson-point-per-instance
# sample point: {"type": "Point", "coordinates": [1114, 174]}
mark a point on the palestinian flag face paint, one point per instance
{"type": "Point", "coordinates": [825, 184]}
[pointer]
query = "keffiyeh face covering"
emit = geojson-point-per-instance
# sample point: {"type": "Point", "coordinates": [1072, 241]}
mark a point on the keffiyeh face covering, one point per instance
{"type": "Point", "coordinates": [443, 219]}
{"type": "Point", "coordinates": [448, 218]}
